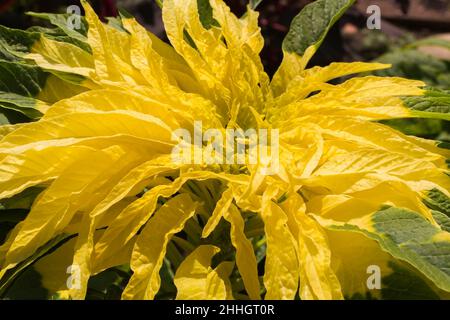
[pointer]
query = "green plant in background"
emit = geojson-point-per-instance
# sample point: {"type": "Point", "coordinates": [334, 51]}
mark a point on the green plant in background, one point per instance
{"type": "Point", "coordinates": [411, 62]}
{"type": "Point", "coordinates": [88, 185]}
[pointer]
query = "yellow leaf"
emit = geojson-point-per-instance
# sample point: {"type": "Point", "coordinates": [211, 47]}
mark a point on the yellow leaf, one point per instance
{"type": "Point", "coordinates": [221, 208]}
{"type": "Point", "coordinates": [238, 32]}
{"type": "Point", "coordinates": [61, 56]}
{"type": "Point", "coordinates": [281, 268]}
{"type": "Point", "coordinates": [151, 245]}
{"type": "Point", "coordinates": [245, 255]}
{"type": "Point", "coordinates": [317, 278]}
{"type": "Point", "coordinates": [307, 81]}
{"type": "Point", "coordinates": [291, 66]}
{"type": "Point", "coordinates": [352, 262]}
{"type": "Point", "coordinates": [196, 280]}
{"type": "Point", "coordinates": [56, 89]}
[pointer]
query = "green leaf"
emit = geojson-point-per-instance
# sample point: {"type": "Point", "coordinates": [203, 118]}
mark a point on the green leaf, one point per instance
{"type": "Point", "coordinates": [63, 32]}
{"type": "Point", "coordinates": [25, 105]}
{"type": "Point", "coordinates": [442, 220]}
{"type": "Point", "coordinates": [11, 275]}
{"type": "Point", "coordinates": [23, 200]}
{"type": "Point", "coordinates": [405, 284]}
{"type": "Point", "coordinates": [16, 75]}
{"type": "Point", "coordinates": [27, 112]}
{"type": "Point", "coordinates": [434, 104]}
{"type": "Point", "coordinates": [413, 64]}
{"type": "Point", "coordinates": [311, 25]}
{"type": "Point", "coordinates": [23, 77]}
{"type": "Point", "coordinates": [8, 116]}
{"type": "Point", "coordinates": [107, 285]}
{"type": "Point", "coordinates": [255, 3]}
{"type": "Point", "coordinates": [61, 21]}
{"type": "Point", "coordinates": [13, 215]}
{"type": "Point", "coordinates": [16, 99]}
{"type": "Point", "coordinates": [27, 286]}
{"type": "Point", "coordinates": [5, 229]}
{"type": "Point", "coordinates": [425, 128]}
{"type": "Point", "coordinates": [409, 237]}
{"type": "Point", "coordinates": [167, 291]}
{"type": "Point", "coordinates": [59, 35]}
{"type": "Point", "coordinates": [20, 78]}
{"type": "Point", "coordinates": [14, 43]}
{"type": "Point", "coordinates": [439, 204]}
{"type": "Point", "coordinates": [432, 41]}
{"type": "Point", "coordinates": [205, 12]}
{"type": "Point", "coordinates": [438, 201]}
{"type": "Point", "coordinates": [116, 23]}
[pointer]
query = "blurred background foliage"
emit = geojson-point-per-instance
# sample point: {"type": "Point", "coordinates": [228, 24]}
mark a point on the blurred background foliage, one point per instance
{"type": "Point", "coordinates": [414, 38]}
{"type": "Point", "coordinates": [405, 23]}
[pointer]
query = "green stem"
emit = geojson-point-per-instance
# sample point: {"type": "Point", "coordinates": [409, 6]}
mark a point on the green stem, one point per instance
{"type": "Point", "coordinates": [260, 243]}
{"type": "Point", "coordinates": [173, 255]}
{"type": "Point", "coordinates": [254, 233]}
{"type": "Point", "coordinates": [183, 244]}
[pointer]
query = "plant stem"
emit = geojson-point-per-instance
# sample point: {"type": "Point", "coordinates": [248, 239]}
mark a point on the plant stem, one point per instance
{"type": "Point", "coordinates": [159, 3]}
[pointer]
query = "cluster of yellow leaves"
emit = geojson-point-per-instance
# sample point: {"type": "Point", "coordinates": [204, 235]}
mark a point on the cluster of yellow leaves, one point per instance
{"type": "Point", "coordinates": [98, 149]}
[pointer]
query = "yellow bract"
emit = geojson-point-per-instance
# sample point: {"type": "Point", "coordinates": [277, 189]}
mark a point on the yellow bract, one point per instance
{"type": "Point", "coordinates": [150, 249]}
{"type": "Point", "coordinates": [102, 152]}
{"type": "Point", "coordinates": [196, 280]}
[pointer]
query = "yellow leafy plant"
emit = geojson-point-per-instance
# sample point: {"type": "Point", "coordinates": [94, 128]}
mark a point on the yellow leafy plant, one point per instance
{"type": "Point", "coordinates": [101, 192]}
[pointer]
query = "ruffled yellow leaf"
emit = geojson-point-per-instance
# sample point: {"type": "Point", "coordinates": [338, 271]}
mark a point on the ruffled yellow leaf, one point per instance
{"type": "Point", "coordinates": [196, 280]}
{"type": "Point", "coordinates": [369, 87]}
{"type": "Point", "coordinates": [221, 208]}
{"type": "Point", "coordinates": [245, 255]}
{"type": "Point", "coordinates": [238, 32]}
{"type": "Point", "coordinates": [8, 128]}
{"type": "Point", "coordinates": [291, 66]}
{"type": "Point", "coordinates": [53, 267]}
{"type": "Point", "coordinates": [307, 81]}
{"type": "Point", "coordinates": [111, 52]}
{"type": "Point", "coordinates": [56, 267]}
{"type": "Point", "coordinates": [20, 171]}
{"type": "Point", "coordinates": [61, 56]}
{"type": "Point", "coordinates": [352, 263]}
{"type": "Point", "coordinates": [57, 205]}
{"type": "Point", "coordinates": [56, 89]}
{"type": "Point", "coordinates": [317, 278]}
{"type": "Point", "coordinates": [281, 268]}
{"type": "Point", "coordinates": [133, 217]}
{"type": "Point", "coordinates": [150, 248]}
{"type": "Point", "coordinates": [89, 124]}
